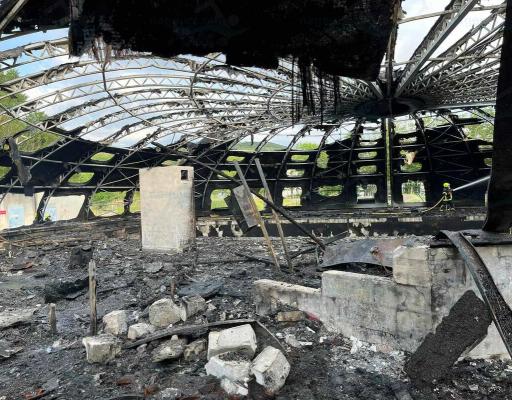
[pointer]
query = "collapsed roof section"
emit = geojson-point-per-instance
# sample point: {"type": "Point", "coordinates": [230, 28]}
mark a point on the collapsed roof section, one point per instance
{"type": "Point", "coordinates": [341, 37]}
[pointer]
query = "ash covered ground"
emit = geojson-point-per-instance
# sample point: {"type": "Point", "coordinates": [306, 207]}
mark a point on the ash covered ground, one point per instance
{"type": "Point", "coordinates": [323, 365]}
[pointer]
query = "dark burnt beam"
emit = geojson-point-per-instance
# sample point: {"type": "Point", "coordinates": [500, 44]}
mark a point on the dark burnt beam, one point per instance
{"type": "Point", "coordinates": [499, 213]}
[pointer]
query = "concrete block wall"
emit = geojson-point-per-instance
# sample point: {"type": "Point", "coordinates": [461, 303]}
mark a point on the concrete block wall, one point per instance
{"type": "Point", "coordinates": [167, 208]}
{"type": "Point", "coordinates": [398, 311]}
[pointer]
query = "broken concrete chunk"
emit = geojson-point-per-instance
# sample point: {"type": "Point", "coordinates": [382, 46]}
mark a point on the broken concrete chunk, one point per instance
{"type": "Point", "coordinates": [235, 369]}
{"type": "Point", "coordinates": [234, 388]}
{"type": "Point", "coordinates": [153, 268]}
{"type": "Point", "coordinates": [237, 339]}
{"type": "Point", "coordinates": [271, 368]}
{"type": "Point", "coordinates": [169, 350]}
{"type": "Point", "coordinates": [116, 322]}
{"type": "Point", "coordinates": [291, 316]}
{"type": "Point", "coordinates": [192, 305]}
{"type": "Point", "coordinates": [16, 317]}
{"type": "Point", "coordinates": [194, 349]}
{"type": "Point", "coordinates": [164, 312]}
{"type": "Point", "coordinates": [139, 330]}
{"type": "Point", "coordinates": [101, 348]}
{"type": "Point", "coordinates": [7, 350]}
{"type": "Point", "coordinates": [169, 394]}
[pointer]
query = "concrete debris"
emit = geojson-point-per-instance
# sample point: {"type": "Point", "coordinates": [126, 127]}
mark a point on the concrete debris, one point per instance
{"type": "Point", "coordinates": [237, 339]}
{"type": "Point", "coordinates": [7, 350]}
{"type": "Point", "coordinates": [169, 350]}
{"type": "Point", "coordinates": [270, 369]}
{"type": "Point", "coordinates": [163, 313]}
{"type": "Point", "coordinates": [102, 348]}
{"type": "Point", "coordinates": [169, 394]}
{"type": "Point", "coordinates": [292, 341]}
{"type": "Point", "coordinates": [233, 368]}
{"type": "Point", "coordinates": [291, 316]}
{"type": "Point", "coordinates": [234, 388]}
{"type": "Point", "coordinates": [194, 349]}
{"type": "Point", "coordinates": [153, 268]}
{"type": "Point", "coordinates": [192, 305]}
{"type": "Point", "coordinates": [356, 345]}
{"type": "Point", "coordinates": [16, 317]}
{"type": "Point", "coordinates": [140, 330]}
{"type": "Point", "coordinates": [324, 367]}
{"type": "Point", "coordinates": [116, 322]}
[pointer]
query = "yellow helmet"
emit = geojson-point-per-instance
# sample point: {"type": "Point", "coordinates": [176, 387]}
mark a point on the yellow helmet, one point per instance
{"type": "Point", "coordinates": [446, 185]}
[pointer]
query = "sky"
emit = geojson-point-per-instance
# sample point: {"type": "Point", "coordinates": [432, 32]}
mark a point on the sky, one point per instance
{"type": "Point", "coordinates": [410, 34]}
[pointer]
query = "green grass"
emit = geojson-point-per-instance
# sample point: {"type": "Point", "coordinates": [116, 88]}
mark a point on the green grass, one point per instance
{"type": "Point", "coordinates": [169, 163]}
{"type": "Point", "coordinates": [4, 171]}
{"type": "Point", "coordinates": [295, 173]}
{"type": "Point", "coordinates": [235, 158]}
{"type": "Point", "coordinates": [414, 167]}
{"type": "Point", "coordinates": [367, 169]}
{"type": "Point", "coordinates": [135, 206]}
{"type": "Point", "coordinates": [251, 148]}
{"type": "Point", "coordinates": [300, 157]}
{"type": "Point", "coordinates": [330, 191]}
{"type": "Point", "coordinates": [81, 178]}
{"type": "Point", "coordinates": [412, 198]}
{"type": "Point", "coordinates": [292, 197]}
{"type": "Point", "coordinates": [102, 157]}
{"type": "Point", "coordinates": [105, 204]}
{"type": "Point", "coordinates": [367, 155]}
{"type": "Point", "coordinates": [218, 199]}
{"type": "Point", "coordinates": [483, 131]}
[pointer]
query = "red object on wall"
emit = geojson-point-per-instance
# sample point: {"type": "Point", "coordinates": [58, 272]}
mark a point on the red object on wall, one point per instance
{"type": "Point", "coordinates": [3, 212]}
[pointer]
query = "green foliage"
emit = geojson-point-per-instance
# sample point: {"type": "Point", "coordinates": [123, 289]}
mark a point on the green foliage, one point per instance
{"type": "Point", "coordinates": [295, 173]}
{"type": "Point", "coordinates": [4, 171]}
{"type": "Point", "coordinates": [33, 139]}
{"type": "Point", "coordinates": [168, 163]}
{"type": "Point", "coordinates": [292, 197]}
{"type": "Point", "coordinates": [483, 131]}
{"type": "Point", "coordinates": [104, 204]}
{"type": "Point", "coordinates": [235, 158]}
{"type": "Point", "coordinates": [251, 148]}
{"type": "Point", "coordinates": [102, 157]}
{"type": "Point", "coordinates": [231, 174]}
{"type": "Point", "coordinates": [367, 155]}
{"type": "Point", "coordinates": [218, 199]}
{"type": "Point", "coordinates": [413, 192]}
{"type": "Point", "coordinates": [300, 157]}
{"type": "Point", "coordinates": [135, 206]}
{"type": "Point", "coordinates": [414, 167]}
{"type": "Point", "coordinates": [367, 169]}
{"type": "Point", "coordinates": [81, 178]}
{"type": "Point", "coordinates": [330, 191]}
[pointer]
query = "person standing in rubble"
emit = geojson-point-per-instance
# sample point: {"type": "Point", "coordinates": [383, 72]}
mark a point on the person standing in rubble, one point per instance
{"type": "Point", "coordinates": [447, 198]}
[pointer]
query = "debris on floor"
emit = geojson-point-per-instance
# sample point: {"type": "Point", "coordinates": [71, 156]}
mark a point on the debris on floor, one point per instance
{"type": "Point", "coordinates": [169, 330]}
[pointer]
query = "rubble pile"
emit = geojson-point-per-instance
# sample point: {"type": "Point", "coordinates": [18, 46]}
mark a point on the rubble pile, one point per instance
{"type": "Point", "coordinates": [184, 326]}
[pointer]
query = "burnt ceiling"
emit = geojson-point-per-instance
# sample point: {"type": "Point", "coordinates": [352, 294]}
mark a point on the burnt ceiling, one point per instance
{"type": "Point", "coordinates": [340, 37]}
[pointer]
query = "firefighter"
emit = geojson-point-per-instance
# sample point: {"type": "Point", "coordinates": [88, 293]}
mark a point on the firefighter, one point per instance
{"type": "Point", "coordinates": [447, 198]}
